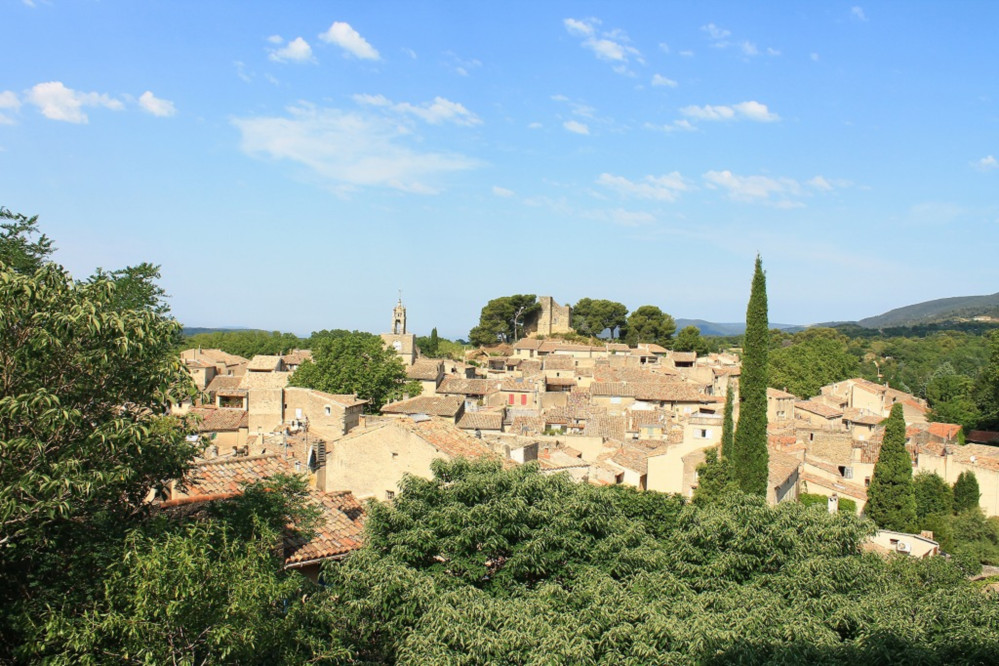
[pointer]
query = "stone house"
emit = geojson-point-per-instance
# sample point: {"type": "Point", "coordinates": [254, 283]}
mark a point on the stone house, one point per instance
{"type": "Point", "coordinates": [780, 405]}
{"type": "Point", "coordinates": [552, 318]}
{"type": "Point", "coordinates": [429, 372]}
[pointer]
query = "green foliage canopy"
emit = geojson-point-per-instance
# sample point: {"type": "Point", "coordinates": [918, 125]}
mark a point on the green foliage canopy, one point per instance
{"type": "Point", "coordinates": [966, 492]}
{"type": "Point", "coordinates": [18, 250]}
{"type": "Point", "coordinates": [594, 316]}
{"type": "Point", "coordinates": [809, 360]}
{"type": "Point", "coordinates": [502, 319]}
{"type": "Point", "coordinates": [689, 339]}
{"type": "Point", "coordinates": [933, 496]}
{"type": "Point", "coordinates": [650, 324]}
{"type": "Point", "coordinates": [356, 363]}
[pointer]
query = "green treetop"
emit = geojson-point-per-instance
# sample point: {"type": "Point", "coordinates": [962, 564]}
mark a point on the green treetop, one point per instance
{"type": "Point", "coordinates": [728, 427]}
{"type": "Point", "coordinates": [966, 492]}
{"type": "Point", "coordinates": [356, 363]}
{"type": "Point", "coordinates": [749, 455]}
{"type": "Point", "coordinates": [502, 319]}
{"type": "Point", "coordinates": [891, 498]}
{"type": "Point", "coordinates": [17, 249]}
{"type": "Point", "coordinates": [593, 317]}
{"type": "Point", "coordinates": [933, 496]}
{"type": "Point", "coordinates": [650, 324]}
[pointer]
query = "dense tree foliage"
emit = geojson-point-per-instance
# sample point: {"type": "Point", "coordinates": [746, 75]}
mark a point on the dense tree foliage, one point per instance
{"type": "Point", "coordinates": [808, 360]}
{"type": "Point", "coordinates": [594, 316]}
{"type": "Point", "coordinates": [356, 363]}
{"type": "Point", "coordinates": [502, 319]}
{"type": "Point", "coordinates": [650, 324]}
{"type": "Point", "coordinates": [987, 386]}
{"type": "Point", "coordinates": [689, 339]}
{"type": "Point", "coordinates": [728, 425]}
{"type": "Point", "coordinates": [250, 343]}
{"type": "Point", "coordinates": [966, 492]}
{"type": "Point", "coordinates": [482, 565]}
{"type": "Point", "coordinates": [891, 498]}
{"type": "Point", "coordinates": [749, 454]}
{"type": "Point", "coordinates": [22, 247]}
{"type": "Point", "coordinates": [933, 496]}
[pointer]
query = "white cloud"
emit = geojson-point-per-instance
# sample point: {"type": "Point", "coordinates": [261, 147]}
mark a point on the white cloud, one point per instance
{"type": "Point", "coordinates": [630, 218]}
{"type": "Point", "coordinates": [348, 150]}
{"type": "Point", "coordinates": [350, 41]}
{"type": "Point", "coordinates": [436, 112]}
{"type": "Point", "coordinates": [576, 127]}
{"type": "Point", "coordinates": [57, 102]}
{"type": "Point", "coordinates": [502, 192]}
{"type": "Point", "coordinates": [749, 110]}
{"type": "Point", "coordinates": [660, 80]}
{"type": "Point", "coordinates": [821, 183]}
{"type": "Point", "coordinates": [461, 66]}
{"type": "Point", "coordinates": [611, 46]}
{"type": "Point", "coordinates": [682, 125]}
{"type": "Point", "coordinates": [535, 125]}
{"type": "Point", "coordinates": [659, 188]}
{"type": "Point", "coordinates": [756, 111]}
{"type": "Point", "coordinates": [687, 54]}
{"type": "Point", "coordinates": [758, 189]}
{"type": "Point", "coordinates": [276, 39]}
{"type": "Point", "coordinates": [749, 49]}
{"type": "Point", "coordinates": [772, 51]}
{"type": "Point", "coordinates": [986, 163]}
{"type": "Point", "coordinates": [858, 13]}
{"type": "Point", "coordinates": [297, 50]}
{"type": "Point", "coordinates": [716, 34]}
{"type": "Point", "coordinates": [156, 106]}
{"type": "Point", "coordinates": [664, 47]}
{"type": "Point", "coordinates": [8, 100]}
{"type": "Point", "coordinates": [708, 112]}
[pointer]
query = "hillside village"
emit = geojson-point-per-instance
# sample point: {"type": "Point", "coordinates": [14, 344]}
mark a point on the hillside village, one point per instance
{"type": "Point", "coordinates": [605, 414]}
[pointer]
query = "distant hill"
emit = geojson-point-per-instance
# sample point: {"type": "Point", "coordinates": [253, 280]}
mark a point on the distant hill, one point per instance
{"type": "Point", "coordinates": [959, 308]}
{"type": "Point", "coordinates": [188, 331]}
{"type": "Point", "coordinates": [714, 328]}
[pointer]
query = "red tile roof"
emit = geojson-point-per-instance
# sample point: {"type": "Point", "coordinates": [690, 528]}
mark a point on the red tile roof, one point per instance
{"type": "Point", "coordinates": [223, 419]}
{"type": "Point", "coordinates": [339, 531]}
{"type": "Point", "coordinates": [439, 405]}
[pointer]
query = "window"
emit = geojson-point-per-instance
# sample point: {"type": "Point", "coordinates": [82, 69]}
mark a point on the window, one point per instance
{"type": "Point", "coordinates": [389, 495]}
{"type": "Point", "coordinates": [511, 398]}
{"type": "Point", "coordinates": [328, 410]}
{"type": "Point", "coordinates": [523, 399]}
{"type": "Point", "coordinates": [394, 456]}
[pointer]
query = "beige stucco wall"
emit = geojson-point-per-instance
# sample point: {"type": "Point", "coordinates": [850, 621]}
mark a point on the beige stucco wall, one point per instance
{"type": "Point", "coordinates": [373, 463]}
{"type": "Point", "coordinates": [666, 471]}
{"type": "Point", "coordinates": [950, 469]}
{"type": "Point", "coordinates": [312, 405]}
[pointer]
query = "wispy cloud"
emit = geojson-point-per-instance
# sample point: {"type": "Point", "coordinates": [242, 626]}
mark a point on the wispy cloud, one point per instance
{"type": "Point", "coordinates": [349, 150]}
{"type": "Point", "coordinates": [158, 107]}
{"type": "Point", "coordinates": [681, 125]}
{"type": "Point", "coordinates": [461, 66]}
{"type": "Point", "coordinates": [659, 188]}
{"type": "Point", "coordinates": [576, 127]}
{"type": "Point", "coordinates": [777, 192]}
{"type": "Point", "coordinates": [8, 101]}
{"type": "Point", "coordinates": [660, 80]}
{"type": "Point", "coordinates": [297, 51]}
{"type": "Point", "coordinates": [502, 192]}
{"type": "Point", "coordinates": [608, 45]}
{"type": "Point", "coordinates": [57, 102]}
{"type": "Point", "coordinates": [719, 36]}
{"type": "Point", "coordinates": [987, 163]}
{"type": "Point", "coordinates": [437, 112]}
{"type": "Point", "coordinates": [858, 13]}
{"type": "Point", "coordinates": [350, 41]}
{"type": "Point", "coordinates": [750, 110]}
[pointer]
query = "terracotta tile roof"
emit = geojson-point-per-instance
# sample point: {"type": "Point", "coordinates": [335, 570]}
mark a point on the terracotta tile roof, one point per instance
{"type": "Point", "coordinates": [449, 439]}
{"type": "Point", "coordinates": [777, 394]}
{"type": "Point", "coordinates": [297, 357]}
{"type": "Point", "coordinates": [559, 363]}
{"type": "Point", "coordinates": [530, 366]}
{"type": "Point", "coordinates": [481, 421]}
{"type": "Point", "coordinates": [646, 417]}
{"type": "Point", "coordinates": [683, 357]}
{"type": "Point", "coordinates": [341, 399]}
{"type": "Point", "coordinates": [440, 405]}
{"type": "Point", "coordinates": [213, 356]}
{"type": "Point", "coordinates": [840, 487]}
{"type": "Point", "coordinates": [605, 426]}
{"type": "Point", "coordinates": [534, 425]}
{"type": "Point", "coordinates": [194, 363]}
{"type": "Point", "coordinates": [560, 381]}
{"type": "Point", "coordinates": [264, 363]}
{"type": "Point", "coordinates": [228, 475]}
{"type": "Point", "coordinates": [632, 458]}
{"type": "Point", "coordinates": [222, 419]}
{"type": "Point", "coordinates": [618, 346]}
{"type": "Point", "coordinates": [868, 385]}
{"type": "Point", "coordinates": [607, 373]}
{"type": "Point", "coordinates": [462, 386]}
{"type": "Point", "coordinates": [339, 531]}
{"type": "Point", "coordinates": [654, 348]}
{"type": "Point", "coordinates": [426, 369]}
{"type": "Point", "coordinates": [825, 411]}
{"type": "Point", "coordinates": [527, 343]}
{"type": "Point", "coordinates": [985, 456]}
{"type": "Point", "coordinates": [518, 385]}
{"type": "Point", "coordinates": [853, 416]}
{"type": "Point", "coordinates": [226, 385]}
{"type": "Point", "coordinates": [727, 370]}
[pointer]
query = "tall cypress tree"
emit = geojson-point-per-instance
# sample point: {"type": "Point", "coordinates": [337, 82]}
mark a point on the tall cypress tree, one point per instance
{"type": "Point", "coordinates": [728, 427]}
{"type": "Point", "coordinates": [966, 492]}
{"type": "Point", "coordinates": [891, 497]}
{"type": "Point", "coordinates": [749, 453]}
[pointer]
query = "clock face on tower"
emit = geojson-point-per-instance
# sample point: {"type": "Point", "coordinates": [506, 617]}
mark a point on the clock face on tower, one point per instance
{"type": "Point", "coordinates": [397, 345]}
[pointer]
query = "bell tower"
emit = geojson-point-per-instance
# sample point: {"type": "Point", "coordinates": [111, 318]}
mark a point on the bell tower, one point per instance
{"type": "Point", "coordinates": [399, 318]}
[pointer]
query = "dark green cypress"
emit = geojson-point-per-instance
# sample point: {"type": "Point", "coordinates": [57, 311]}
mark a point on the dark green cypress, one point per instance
{"type": "Point", "coordinates": [728, 426]}
{"type": "Point", "coordinates": [966, 492]}
{"type": "Point", "coordinates": [891, 497]}
{"type": "Point", "coordinates": [749, 455]}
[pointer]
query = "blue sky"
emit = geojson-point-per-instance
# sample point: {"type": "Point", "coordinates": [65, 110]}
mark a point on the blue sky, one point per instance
{"type": "Point", "coordinates": [293, 167]}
